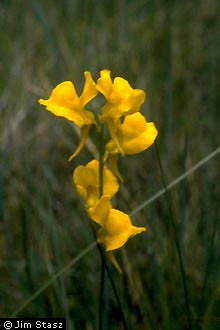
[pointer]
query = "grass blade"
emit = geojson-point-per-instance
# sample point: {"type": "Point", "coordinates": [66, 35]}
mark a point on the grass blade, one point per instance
{"type": "Point", "coordinates": [176, 181]}
{"type": "Point", "coordinates": [63, 271]}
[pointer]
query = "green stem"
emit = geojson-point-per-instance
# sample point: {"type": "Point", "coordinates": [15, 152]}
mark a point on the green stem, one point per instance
{"type": "Point", "coordinates": [101, 294]}
{"type": "Point", "coordinates": [102, 275]}
{"type": "Point", "coordinates": [104, 266]}
{"type": "Point", "coordinates": [110, 279]}
{"type": "Point", "coordinates": [101, 163]}
{"type": "Point", "coordinates": [113, 287]}
{"type": "Point", "coordinates": [177, 243]}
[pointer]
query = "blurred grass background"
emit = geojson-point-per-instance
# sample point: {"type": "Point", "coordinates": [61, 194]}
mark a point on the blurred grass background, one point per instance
{"type": "Point", "coordinates": [171, 49]}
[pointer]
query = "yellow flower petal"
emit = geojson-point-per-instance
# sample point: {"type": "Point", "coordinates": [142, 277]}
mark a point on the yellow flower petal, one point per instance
{"type": "Point", "coordinates": [86, 179]}
{"type": "Point", "coordinates": [112, 126]}
{"type": "Point", "coordinates": [89, 90]}
{"type": "Point", "coordinates": [84, 134]}
{"type": "Point", "coordinates": [113, 162]}
{"type": "Point", "coordinates": [64, 102]}
{"type": "Point", "coordinates": [100, 212]}
{"type": "Point", "coordinates": [114, 261]}
{"type": "Point", "coordinates": [125, 97]}
{"type": "Point", "coordinates": [134, 135]}
{"type": "Point", "coordinates": [121, 98]}
{"type": "Point", "coordinates": [121, 91]}
{"type": "Point", "coordinates": [141, 142]}
{"type": "Point", "coordinates": [104, 83]}
{"type": "Point", "coordinates": [116, 230]}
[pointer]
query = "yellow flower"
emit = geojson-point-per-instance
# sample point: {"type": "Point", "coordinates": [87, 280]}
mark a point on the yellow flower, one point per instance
{"type": "Point", "coordinates": [64, 102]}
{"type": "Point", "coordinates": [122, 100]}
{"type": "Point", "coordinates": [116, 227]}
{"type": "Point", "coordinates": [134, 135]}
{"type": "Point", "coordinates": [86, 179]}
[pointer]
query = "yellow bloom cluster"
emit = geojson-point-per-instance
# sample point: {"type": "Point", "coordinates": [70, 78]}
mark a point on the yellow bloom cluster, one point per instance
{"type": "Point", "coordinates": [129, 133]}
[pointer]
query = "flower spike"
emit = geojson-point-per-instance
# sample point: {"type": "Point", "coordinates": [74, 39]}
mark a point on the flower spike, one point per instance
{"type": "Point", "coordinates": [129, 134]}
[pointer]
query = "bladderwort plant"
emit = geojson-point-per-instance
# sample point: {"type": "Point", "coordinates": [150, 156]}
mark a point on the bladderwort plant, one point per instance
{"type": "Point", "coordinates": [122, 130]}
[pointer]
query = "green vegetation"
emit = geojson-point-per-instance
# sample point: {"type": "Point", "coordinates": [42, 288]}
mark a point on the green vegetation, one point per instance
{"type": "Point", "coordinates": [171, 49]}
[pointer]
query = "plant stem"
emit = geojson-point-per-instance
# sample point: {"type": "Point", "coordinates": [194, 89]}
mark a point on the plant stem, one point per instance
{"type": "Point", "coordinates": [113, 287]}
{"type": "Point", "coordinates": [101, 163]}
{"type": "Point", "coordinates": [104, 266]}
{"type": "Point", "coordinates": [101, 294]}
{"type": "Point", "coordinates": [102, 275]}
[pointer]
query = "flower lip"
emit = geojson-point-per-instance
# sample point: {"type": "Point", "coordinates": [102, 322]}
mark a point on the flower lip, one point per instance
{"type": "Point", "coordinates": [130, 139]}
{"type": "Point", "coordinates": [116, 227]}
{"type": "Point", "coordinates": [116, 230]}
{"type": "Point", "coordinates": [65, 102]}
